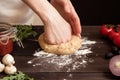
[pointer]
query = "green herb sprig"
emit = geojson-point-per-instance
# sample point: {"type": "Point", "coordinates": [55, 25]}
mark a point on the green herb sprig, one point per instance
{"type": "Point", "coordinates": [17, 76]}
{"type": "Point", "coordinates": [24, 31]}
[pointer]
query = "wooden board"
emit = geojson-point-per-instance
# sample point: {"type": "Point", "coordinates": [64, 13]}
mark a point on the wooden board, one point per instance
{"type": "Point", "coordinates": [97, 70]}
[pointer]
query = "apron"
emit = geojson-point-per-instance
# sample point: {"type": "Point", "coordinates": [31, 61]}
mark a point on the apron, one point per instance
{"type": "Point", "coordinates": [17, 12]}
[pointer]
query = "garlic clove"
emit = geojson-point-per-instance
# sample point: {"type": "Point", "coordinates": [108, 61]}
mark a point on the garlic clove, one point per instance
{"type": "Point", "coordinates": [8, 59]}
{"type": "Point", "coordinates": [10, 69]}
{"type": "Point", "coordinates": [2, 66]}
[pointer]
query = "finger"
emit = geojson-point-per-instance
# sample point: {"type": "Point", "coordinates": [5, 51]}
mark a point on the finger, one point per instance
{"type": "Point", "coordinates": [75, 21]}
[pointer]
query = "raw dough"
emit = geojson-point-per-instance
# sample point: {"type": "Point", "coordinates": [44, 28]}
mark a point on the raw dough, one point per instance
{"type": "Point", "coordinates": [64, 48]}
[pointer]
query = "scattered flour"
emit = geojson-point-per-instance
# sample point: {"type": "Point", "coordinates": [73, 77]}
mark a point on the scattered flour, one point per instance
{"type": "Point", "coordinates": [52, 62]}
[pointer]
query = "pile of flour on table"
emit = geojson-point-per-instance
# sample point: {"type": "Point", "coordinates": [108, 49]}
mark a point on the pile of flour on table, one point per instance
{"type": "Point", "coordinates": [52, 62]}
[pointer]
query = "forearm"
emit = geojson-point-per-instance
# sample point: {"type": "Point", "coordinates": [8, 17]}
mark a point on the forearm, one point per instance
{"type": "Point", "coordinates": [41, 7]}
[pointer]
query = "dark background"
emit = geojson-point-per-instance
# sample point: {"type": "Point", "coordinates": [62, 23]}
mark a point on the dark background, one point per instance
{"type": "Point", "coordinates": [97, 12]}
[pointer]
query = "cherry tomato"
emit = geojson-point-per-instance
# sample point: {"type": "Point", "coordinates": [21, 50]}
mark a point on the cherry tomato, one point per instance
{"type": "Point", "coordinates": [118, 28]}
{"type": "Point", "coordinates": [113, 34]}
{"type": "Point", "coordinates": [105, 30]}
{"type": "Point", "coordinates": [116, 41]}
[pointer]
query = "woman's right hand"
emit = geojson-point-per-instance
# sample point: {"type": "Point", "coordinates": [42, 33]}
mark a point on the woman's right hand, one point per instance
{"type": "Point", "coordinates": [67, 11]}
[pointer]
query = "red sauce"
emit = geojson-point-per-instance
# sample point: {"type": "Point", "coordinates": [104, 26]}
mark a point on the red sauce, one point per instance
{"type": "Point", "coordinates": [6, 49]}
{"type": "Point", "coordinates": [6, 41]}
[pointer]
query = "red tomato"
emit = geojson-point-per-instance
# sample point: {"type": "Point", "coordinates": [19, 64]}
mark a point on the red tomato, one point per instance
{"type": "Point", "coordinates": [105, 30]}
{"type": "Point", "coordinates": [119, 28]}
{"type": "Point", "coordinates": [113, 34]}
{"type": "Point", "coordinates": [116, 41]}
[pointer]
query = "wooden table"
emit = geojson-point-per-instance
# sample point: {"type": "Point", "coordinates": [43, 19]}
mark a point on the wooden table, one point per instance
{"type": "Point", "coordinates": [98, 70]}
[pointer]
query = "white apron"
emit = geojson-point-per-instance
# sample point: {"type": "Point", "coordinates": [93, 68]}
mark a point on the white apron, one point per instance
{"type": "Point", "coordinates": [17, 12]}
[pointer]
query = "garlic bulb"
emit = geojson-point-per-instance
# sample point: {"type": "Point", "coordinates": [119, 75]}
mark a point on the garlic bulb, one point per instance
{"type": "Point", "coordinates": [2, 66]}
{"type": "Point", "coordinates": [10, 69]}
{"type": "Point", "coordinates": [8, 59]}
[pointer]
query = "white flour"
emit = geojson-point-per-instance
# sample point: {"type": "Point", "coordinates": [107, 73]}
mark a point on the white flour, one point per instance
{"type": "Point", "coordinates": [52, 62]}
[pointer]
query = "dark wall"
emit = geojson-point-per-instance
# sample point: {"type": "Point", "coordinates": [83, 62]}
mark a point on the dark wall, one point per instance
{"type": "Point", "coordinates": [97, 12]}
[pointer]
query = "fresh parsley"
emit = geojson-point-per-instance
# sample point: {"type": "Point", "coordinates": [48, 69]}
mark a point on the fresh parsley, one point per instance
{"type": "Point", "coordinates": [24, 31]}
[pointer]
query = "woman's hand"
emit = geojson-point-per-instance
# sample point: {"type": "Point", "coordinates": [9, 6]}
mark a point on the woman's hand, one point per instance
{"type": "Point", "coordinates": [57, 31]}
{"type": "Point", "coordinates": [67, 11]}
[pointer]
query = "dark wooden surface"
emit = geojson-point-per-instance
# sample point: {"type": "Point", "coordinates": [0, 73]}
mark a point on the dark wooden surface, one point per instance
{"type": "Point", "coordinates": [98, 70]}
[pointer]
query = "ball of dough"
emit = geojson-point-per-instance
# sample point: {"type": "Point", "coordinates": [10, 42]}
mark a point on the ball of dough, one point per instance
{"type": "Point", "coordinates": [63, 48]}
